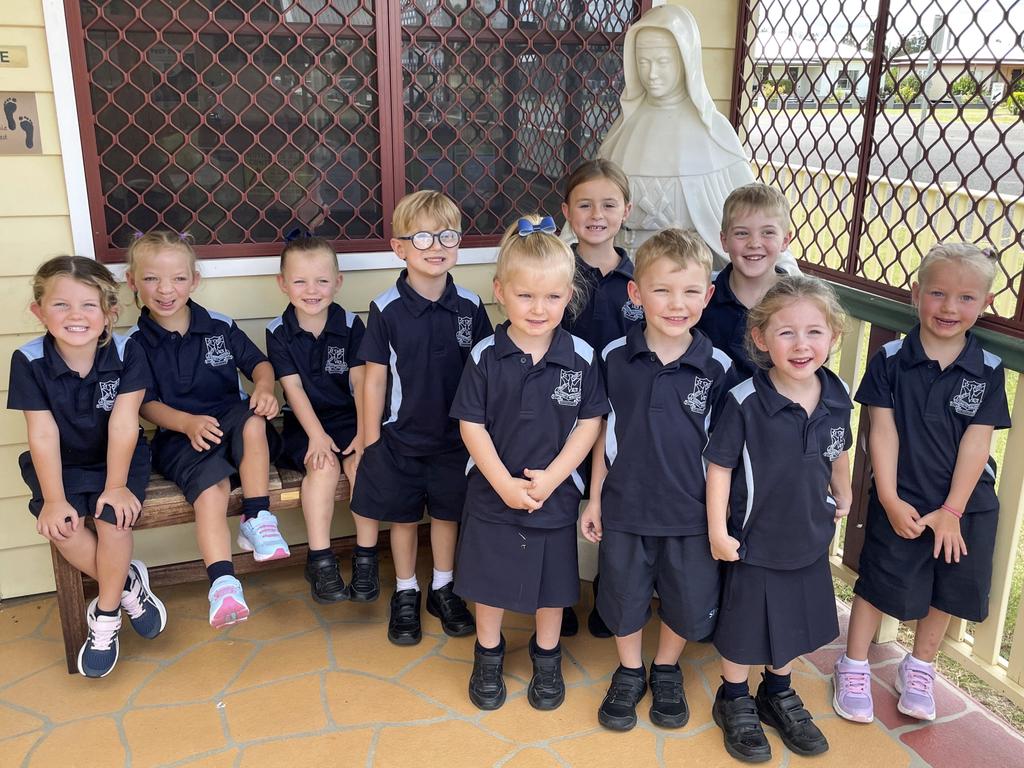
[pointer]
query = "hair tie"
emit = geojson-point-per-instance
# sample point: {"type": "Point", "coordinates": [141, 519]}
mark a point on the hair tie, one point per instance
{"type": "Point", "coordinates": [297, 233]}
{"type": "Point", "coordinates": [183, 236]}
{"type": "Point", "coordinates": [137, 235]}
{"type": "Point", "coordinates": [546, 225]}
{"type": "Point", "coordinates": [990, 253]}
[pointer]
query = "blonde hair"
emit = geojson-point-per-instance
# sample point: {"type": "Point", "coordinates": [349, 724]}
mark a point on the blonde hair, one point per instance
{"type": "Point", "coordinates": [756, 197]}
{"type": "Point", "coordinates": [682, 247]}
{"type": "Point", "coordinates": [87, 272]}
{"type": "Point", "coordinates": [541, 251]}
{"type": "Point", "coordinates": [597, 168]}
{"type": "Point", "coordinates": [308, 244]}
{"type": "Point", "coordinates": [155, 241]}
{"type": "Point", "coordinates": [787, 290]}
{"type": "Point", "coordinates": [425, 204]}
{"type": "Point", "coordinates": [981, 260]}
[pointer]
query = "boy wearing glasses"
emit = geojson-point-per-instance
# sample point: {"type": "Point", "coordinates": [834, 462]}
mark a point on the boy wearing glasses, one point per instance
{"type": "Point", "coordinates": [418, 336]}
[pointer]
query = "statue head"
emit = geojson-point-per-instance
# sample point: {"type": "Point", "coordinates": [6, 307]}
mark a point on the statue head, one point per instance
{"type": "Point", "coordinates": [659, 66]}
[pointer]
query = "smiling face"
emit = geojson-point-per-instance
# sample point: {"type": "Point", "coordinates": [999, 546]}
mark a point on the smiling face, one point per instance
{"type": "Point", "coordinates": [754, 239]}
{"type": "Point", "coordinates": [431, 263]}
{"type": "Point", "coordinates": [534, 301]}
{"type": "Point", "coordinates": [797, 338]}
{"type": "Point", "coordinates": [673, 296]}
{"type": "Point", "coordinates": [659, 65]}
{"type": "Point", "coordinates": [949, 299]}
{"type": "Point", "coordinates": [595, 211]}
{"type": "Point", "coordinates": [164, 278]}
{"type": "Point", "coordinates": [72, 313]}
{"type": "Point", "coordinates": [310, 280]}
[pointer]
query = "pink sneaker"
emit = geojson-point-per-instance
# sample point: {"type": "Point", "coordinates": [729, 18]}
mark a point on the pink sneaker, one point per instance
{"type": "Point", "coordinates": [915, 682]}
{"type": "Point", "coordinates": [851, 698]}
{"type": "Point", "coordinates": [227, 604]}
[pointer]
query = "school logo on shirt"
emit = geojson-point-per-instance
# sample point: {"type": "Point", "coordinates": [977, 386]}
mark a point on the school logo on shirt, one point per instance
{"type": "Point", "coordinates": [697, 401]}
{"type": "Point", "coordinates": [464, 336]}
{"type": "Point", "coordinates": [632, 311]}
{"type": "Point", "coordinates": [835, 448]}
{"type": "Point", "coordinates": [217, 351]}
{"type": "Point", "coordinates": [108, 394]}
{"type": "Point", "coordinates": [335, 360]}
{"type": "Point", "coordinates": [969, 399]}
{"type": "Point", "coordinates": [568, 390]}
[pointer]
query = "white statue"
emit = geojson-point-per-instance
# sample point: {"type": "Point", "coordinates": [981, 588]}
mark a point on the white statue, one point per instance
{"type": "Point", "coordinates": [681, 155]}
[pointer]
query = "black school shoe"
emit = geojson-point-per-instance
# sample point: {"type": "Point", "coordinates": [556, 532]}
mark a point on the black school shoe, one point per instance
{"type": "Point", "coordinates": [486, 684]}
{"type": "Point", "coordinates": [669, 708]}
{"type": "Point", "coordinates": [456, 620]}
{"type": "Point", "coordinates": [595, 623]}
{"type": "Point", "coordinates": [364, 586]}
{"type": "Point", "coordinates": [618, 710]}
{"type": "Point", "coordinates": [404, 622]}
{"type": "Point", "coordinates": [570, 622]}
{"type": "Point", "coordinates": [785, 713]}
{"type": "Point", "coordinates": [325, 582]}
{"type": "Point", "coordinates": [741, 729]}
{"type": "Point", "coordinates": [547, 688]}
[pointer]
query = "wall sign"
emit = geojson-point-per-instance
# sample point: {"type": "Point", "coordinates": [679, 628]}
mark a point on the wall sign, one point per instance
{"type": "Point", "coordinates": [19, 124]}
{"type": "Point", "coordinates": [13, 56]}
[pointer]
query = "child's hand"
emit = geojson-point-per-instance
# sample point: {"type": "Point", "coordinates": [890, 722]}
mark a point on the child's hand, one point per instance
{"type": "Point", "coordinates": [842, 509]}
{"type": "Point", "coordinates": [726, 549]}
{"type": "Point", "coordinates": [320, 452]}
{"type": "Point", "coordinates": [904, 519]}
{"type": "Point", "coordinates": [202, 431]}
{"type": "Point", "coordinates": [57, 521]}
{"type": "Point", "coordinates": [542, 484]}
{"type": "Point", "coordinates": [516, 495]}
{"type": "Point", "coordinates": [126, 506]}
{"type": "Point", "coordinates": [590, 521]}
{"type": "Point", "coordinates": [264, 403]}
{"type": "Point", "coordinates": [948, 538]}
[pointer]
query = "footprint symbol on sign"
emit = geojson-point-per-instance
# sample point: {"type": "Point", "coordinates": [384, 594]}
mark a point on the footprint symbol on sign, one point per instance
{"type": "Point", "coordinates": [10, 107]}
{"type": "Point", "coordinates": [29, 129]}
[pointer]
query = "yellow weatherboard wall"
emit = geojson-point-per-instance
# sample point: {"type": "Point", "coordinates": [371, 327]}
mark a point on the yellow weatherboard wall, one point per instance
{"type": "Point", "coordinates": [35, 225]}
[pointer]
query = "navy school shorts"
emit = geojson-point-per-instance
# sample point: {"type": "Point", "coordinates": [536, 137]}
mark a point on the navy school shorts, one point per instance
{"type": "Point", "coordinates": [194, 471]}
{"type": "Point", "coordinates": [682, 569]}
{"type": "Point", "coordinates": [771, 616]}
{"type": "Point", "coordinates": [295, 442]}
{"type": "Point", "coordinates": [901, 577]}
{"type": "Point", "coordinates": [515, 568]}
{"type": "Point", "coordinates": [395, 488]}
{"type": "Point", "coordinates": [83, 485]}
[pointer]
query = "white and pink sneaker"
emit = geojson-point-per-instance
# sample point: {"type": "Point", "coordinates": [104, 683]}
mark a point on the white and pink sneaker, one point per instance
{"type": "Point", "coordinates": [227, 604]}
{"type": "Point", "coordinates": [915, 682]}
{"type": "Point", "coordinates": [851, 698]}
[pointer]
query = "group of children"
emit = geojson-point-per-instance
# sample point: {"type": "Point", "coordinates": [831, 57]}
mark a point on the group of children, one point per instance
{"type": "Point", "coordinates": [696, 410]}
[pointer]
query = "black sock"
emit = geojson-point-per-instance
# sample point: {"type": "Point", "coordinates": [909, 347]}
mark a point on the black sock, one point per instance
{"type": "Point", "coordinates": [664, 668]}
{"type": "Point", "coordinates": [775, 684]}
{"type": "Point", "coordinates": [538, 651]}
{"type": "Point", "coordinates": [221, 568]}
{"type": "Point", "coordinates": [364, 551]}
{"type": "Point", "coordinates": [637, 672]}
{"type": "Point", "coordinates": [318, 554]}
{"type": "Point", "coordinates": [732, 691]}
{"type": "Point", "coordinates": [253, 505]}
{"type": "Point", "coordinates": [101, 612]}
{"type": "Point", "coordinates": [127, 584]}
{"type": "Point", "coordinates": [497, 650]}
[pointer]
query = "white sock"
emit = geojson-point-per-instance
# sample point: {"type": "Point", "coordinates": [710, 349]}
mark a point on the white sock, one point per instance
{"type": "Point", "coordinates": [408, 584]}
{"type": "Point", "coordinates": [442, 579]}
{"type": "Point", "coordinates": [859, 663]}
{"type": "Point", "coordinates": [916, 660]}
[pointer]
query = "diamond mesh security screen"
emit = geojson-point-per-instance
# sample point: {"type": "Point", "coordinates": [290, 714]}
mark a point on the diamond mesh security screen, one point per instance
{"type": "Point", "coordinates": [890, 125]}
{"type": "Point", "coordinates": [236, 121]}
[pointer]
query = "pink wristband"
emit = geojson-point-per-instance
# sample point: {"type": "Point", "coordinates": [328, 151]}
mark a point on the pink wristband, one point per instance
{"type": "Point", "coordinates": [954, 512]}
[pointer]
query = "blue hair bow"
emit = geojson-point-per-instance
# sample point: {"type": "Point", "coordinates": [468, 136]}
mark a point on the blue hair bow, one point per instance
{"type": "Point", "coordinates": [526, 227]}
{"type": "Point", "coordinates": [297, 233]}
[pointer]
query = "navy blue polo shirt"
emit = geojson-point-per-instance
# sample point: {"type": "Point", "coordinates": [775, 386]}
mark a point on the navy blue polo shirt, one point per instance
{"type": "Point", "coordinates": [932, 409]}
{"type": "Point", "coordinates": [608, 313]}
{"type": "Point", "coordinates": [658, 425]}
{"type": "Point", "coordinates": [322, 362]}
{"type": "Point", "coordinates": [529, 410]}
{"type": "Point", "coordinates": [425, 345]}
{"type": "Point", "coordinates": [81, 407]}
{"type": "Point", "coordinates": [725, 322]}
{"type": "Point", "coordinates": [197, 372]}
{"type": "Point", "coordinates": [780, 508]}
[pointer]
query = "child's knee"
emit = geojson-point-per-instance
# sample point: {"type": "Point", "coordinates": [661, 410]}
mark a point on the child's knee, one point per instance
{"type": "Point", "coordinates": [218, 492]}
{"type": "Point", "coordinates": [255, 428]}
{"type": "Point", "coordinates": [326, 473]}
{"type": "Point", "coordinates": [110, 533]}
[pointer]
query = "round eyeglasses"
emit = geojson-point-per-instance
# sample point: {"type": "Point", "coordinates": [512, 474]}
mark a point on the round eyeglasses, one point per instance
{"type": "Point", "coordinates": [424, 241]}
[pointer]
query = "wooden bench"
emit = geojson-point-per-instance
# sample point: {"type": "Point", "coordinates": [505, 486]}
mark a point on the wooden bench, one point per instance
{"type": "Point", "coordinates": [166, 506]}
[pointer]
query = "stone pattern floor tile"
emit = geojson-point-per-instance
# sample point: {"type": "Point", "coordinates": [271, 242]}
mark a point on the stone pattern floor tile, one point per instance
{"type": "Point", "coordinates": [307, 684]}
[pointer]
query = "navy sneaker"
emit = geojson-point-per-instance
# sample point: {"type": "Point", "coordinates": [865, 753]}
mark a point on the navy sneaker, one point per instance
{"type": "Point", "coordinates": [99, 652]}
{"type": "Point", "coordinates": [145, 610]}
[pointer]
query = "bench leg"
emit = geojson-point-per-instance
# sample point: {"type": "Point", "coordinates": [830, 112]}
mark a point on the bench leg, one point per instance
{"type": "Point", "coordinates": [71, 604]}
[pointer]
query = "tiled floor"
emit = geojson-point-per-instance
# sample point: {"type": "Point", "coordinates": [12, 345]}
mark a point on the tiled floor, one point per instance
{"type": "Point", "coordinates": [307, 685]}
